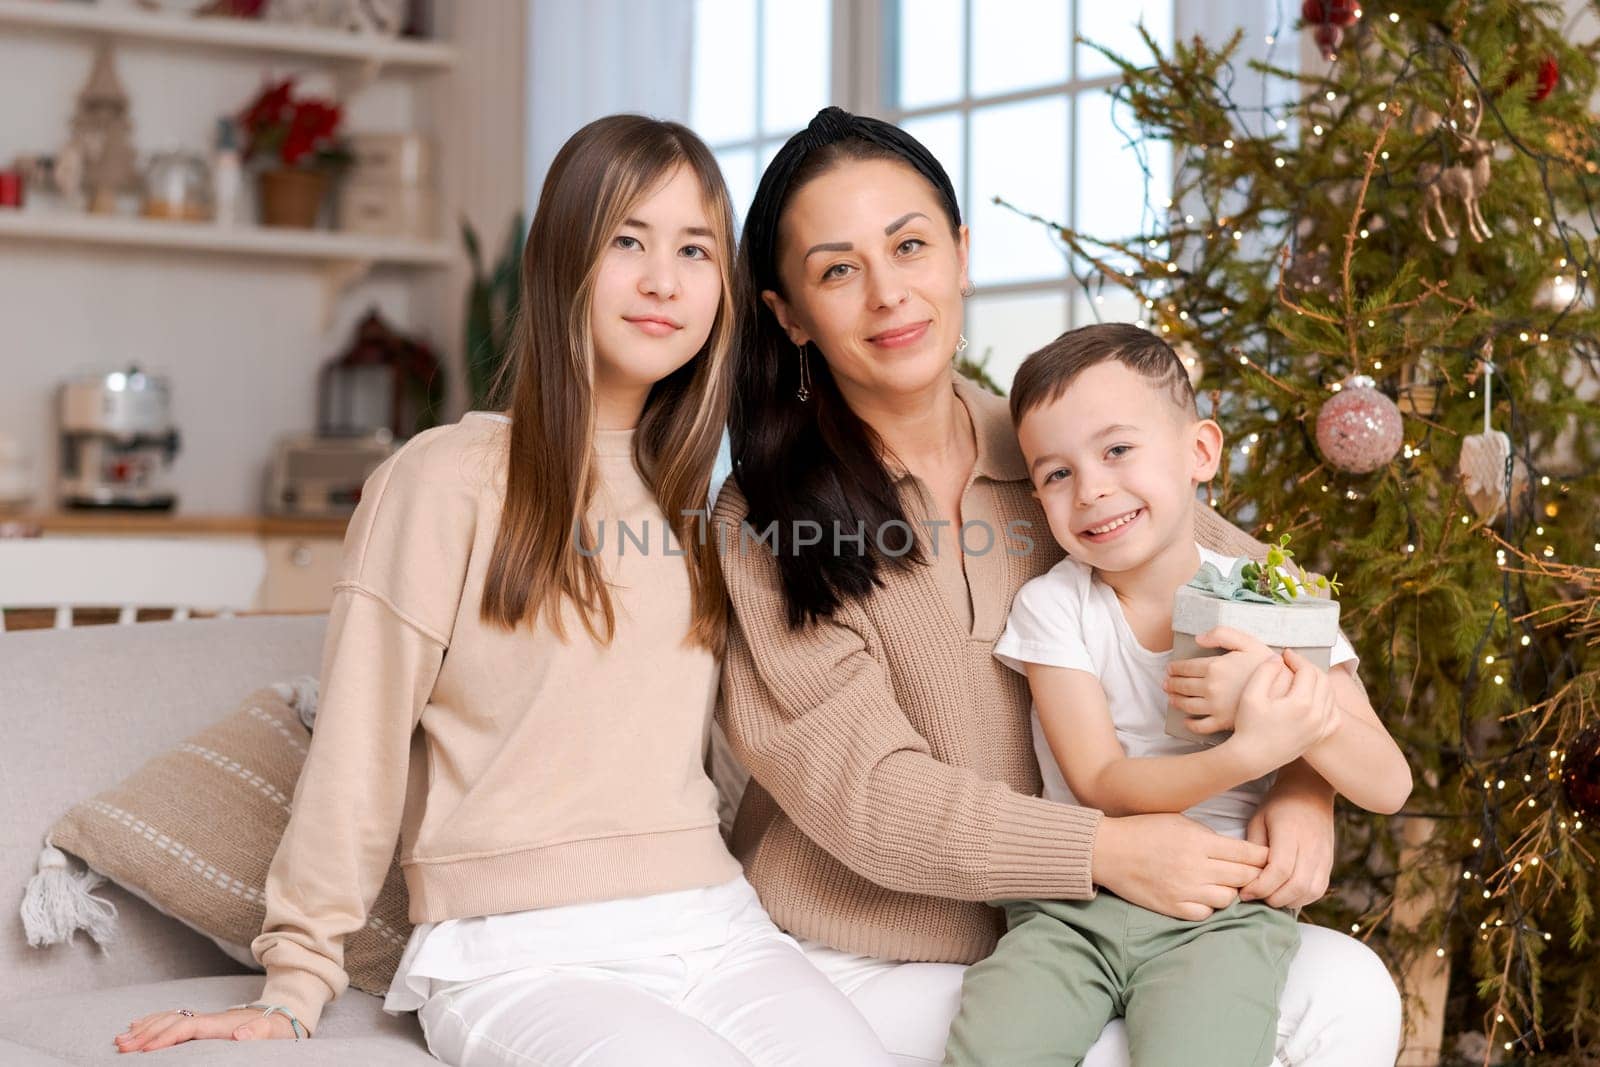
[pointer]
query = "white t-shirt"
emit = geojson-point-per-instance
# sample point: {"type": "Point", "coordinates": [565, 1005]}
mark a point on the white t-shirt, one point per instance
{"type": "Point", "coordinates": [1068, 617]}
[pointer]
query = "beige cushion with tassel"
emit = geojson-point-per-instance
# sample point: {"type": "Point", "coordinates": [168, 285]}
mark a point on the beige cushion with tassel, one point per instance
{"type": "Point", "coordinates": [193, 831]}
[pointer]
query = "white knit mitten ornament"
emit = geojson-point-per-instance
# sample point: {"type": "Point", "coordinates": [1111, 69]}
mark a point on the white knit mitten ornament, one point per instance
{"type": "Point", "coordinates": [1484, 457]}
{"type": "Point", "coordinates": [1483, 471]}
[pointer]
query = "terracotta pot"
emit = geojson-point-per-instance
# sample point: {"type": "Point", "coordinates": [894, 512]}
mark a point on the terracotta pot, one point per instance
{"type": "Point", "coordinates": [292, 197]}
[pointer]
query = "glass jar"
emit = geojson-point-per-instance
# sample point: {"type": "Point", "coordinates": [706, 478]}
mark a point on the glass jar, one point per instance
{"type": "Point", "coordinates": [177, 185]}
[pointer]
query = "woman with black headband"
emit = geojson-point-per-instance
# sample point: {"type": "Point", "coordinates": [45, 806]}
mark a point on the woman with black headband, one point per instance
{"type": "Point", "coordinates": [877, 524]}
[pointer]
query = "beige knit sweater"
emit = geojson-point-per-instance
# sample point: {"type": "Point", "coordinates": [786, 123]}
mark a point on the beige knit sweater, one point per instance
{"type": "Point", "coordinates": [516, 770]}
{"type": "Point", "coordinates": [894, 785]}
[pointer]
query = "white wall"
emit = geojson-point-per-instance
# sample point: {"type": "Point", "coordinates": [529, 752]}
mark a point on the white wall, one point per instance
{"type": "Point", "coordinates": [241, 339]}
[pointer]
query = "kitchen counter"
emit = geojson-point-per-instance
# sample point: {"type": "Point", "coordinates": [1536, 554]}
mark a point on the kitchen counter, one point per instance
{"type": "Point", "coordinates": [302, 555]}
{"type": "Point", "coordinates": [173, 524]}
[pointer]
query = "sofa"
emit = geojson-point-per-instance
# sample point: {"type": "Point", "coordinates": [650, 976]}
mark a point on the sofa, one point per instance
{"type": "Point", "coordinates": [82, 709]}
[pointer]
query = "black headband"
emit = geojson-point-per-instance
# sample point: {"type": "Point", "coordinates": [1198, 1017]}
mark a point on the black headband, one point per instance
{"type": "Point", "coordinates": [830, 126]}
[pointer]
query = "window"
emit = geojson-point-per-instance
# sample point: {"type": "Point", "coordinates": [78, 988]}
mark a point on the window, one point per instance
{"type": "Point", "coordinates": [761, 69]}
{"type": "Point", "coordinates": [998, 90]}
{"type": "Point", "coordinates": [1014, 108]}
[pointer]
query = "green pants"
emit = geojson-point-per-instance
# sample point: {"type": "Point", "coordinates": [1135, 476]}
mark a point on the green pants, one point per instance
{"type": "Point", "coordinates": [1195, 994]}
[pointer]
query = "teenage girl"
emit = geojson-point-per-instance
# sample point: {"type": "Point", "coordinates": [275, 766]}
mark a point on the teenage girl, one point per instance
{"type": "Point", "coordinates": [521, 663]}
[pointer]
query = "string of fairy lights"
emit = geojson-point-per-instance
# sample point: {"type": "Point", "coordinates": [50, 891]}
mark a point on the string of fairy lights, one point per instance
{"type": "Point", "coordinates": [1177, 271]}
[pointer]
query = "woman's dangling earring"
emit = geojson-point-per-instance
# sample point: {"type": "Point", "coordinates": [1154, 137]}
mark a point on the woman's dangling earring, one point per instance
{"type": "Point", "coordinates": [961, 345]}
{"type": "Point", "coordinates": [803, 393]}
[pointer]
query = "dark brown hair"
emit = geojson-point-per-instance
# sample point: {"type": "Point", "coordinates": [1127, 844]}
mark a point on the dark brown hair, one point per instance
{"type": "Point", "coordinates": [596, 178]}
{"type": "Point", "coordinates": [1045, 374]}
{"type": "Point", "coordinates": [814, 461]}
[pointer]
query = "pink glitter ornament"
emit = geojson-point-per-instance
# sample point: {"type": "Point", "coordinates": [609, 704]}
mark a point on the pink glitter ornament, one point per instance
{"type": "Point", "coordinates": [1359, 429]}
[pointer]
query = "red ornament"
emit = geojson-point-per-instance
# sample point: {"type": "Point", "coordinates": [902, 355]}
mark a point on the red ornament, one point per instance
{"type": "Point", "coordinates": [1330, 12]}
{"type": "Point", "coordinates": [1549, 75]}
{"type": "Point", "coordinates": [1580, 774]}
{"type": "Point", "coordinates": [1328, 37]}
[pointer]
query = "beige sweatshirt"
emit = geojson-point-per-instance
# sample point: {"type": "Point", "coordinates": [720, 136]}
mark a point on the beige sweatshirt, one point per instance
{"type": "Point", "coordinates": [894, 784]}
{"type": "Point", "coordinates": [516, 771]}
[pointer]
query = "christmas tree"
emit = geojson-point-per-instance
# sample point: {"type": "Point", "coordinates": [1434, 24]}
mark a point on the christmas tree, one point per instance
{"type": "Point", "coordinates": [1382, 272]}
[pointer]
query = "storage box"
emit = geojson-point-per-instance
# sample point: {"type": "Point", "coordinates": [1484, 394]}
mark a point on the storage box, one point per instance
{"type": "Point", "coordinates": [1308, 625]}
{"type": "Point", "coordinates": [388, 210]}
{"type": "Point", "coordinates": [391, 159]}
{"type": "Point", "coordinates": [322, 477]}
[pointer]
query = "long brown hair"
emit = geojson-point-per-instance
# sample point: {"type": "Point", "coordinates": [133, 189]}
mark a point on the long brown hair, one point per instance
{"type": "Point", "coordinates": [596, 178]}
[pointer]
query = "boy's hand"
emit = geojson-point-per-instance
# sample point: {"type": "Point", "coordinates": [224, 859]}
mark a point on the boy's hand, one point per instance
{"type": "Point", "coordinates": [1295, 822]}
{"type": "Point", "coordinates": [1208, 689]}
{"type": "Point", "coordinates": [1274, 727]}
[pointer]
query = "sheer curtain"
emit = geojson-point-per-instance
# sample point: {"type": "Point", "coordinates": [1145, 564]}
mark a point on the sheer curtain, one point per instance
{"type": "Point", "coordinates": [588, 58]}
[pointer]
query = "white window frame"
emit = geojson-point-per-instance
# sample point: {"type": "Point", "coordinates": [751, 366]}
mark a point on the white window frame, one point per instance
{"type": "Point", "coordinates": [861, 80]}
{"type": "Point", "coordinates": [841, 78]}
{"type": "Point", "coordinates": [871, 91]}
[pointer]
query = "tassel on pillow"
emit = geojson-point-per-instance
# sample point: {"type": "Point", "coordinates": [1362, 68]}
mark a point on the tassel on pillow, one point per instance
{"type": "Point", "coordinates": [301, 695]}
{"type": "Point", "coordinates": [57, 903]}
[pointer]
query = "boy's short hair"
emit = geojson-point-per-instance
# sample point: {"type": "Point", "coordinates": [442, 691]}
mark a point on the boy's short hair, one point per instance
{"type": "Point", "coordinates": [1045, 374]}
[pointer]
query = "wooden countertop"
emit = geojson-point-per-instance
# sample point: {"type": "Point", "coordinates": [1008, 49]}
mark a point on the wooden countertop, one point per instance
{"type": "Point", "coordinates": [175, 524]}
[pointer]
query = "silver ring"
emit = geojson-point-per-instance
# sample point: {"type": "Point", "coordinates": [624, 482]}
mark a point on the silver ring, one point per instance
{"type": "Point", "coordinates": [185, 1012]}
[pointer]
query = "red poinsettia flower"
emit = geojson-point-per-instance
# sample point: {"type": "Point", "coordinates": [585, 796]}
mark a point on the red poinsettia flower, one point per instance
{"type": "Point", "coordinates": [311, 126]}
{"type": "Point", "coordinates": [276, 124]}
{"type": "Point", "coordinates": [268, 107]}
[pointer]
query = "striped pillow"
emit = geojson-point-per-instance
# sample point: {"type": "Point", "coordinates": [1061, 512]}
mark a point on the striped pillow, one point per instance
{"type": "Point", "coordinates": [193, 831]}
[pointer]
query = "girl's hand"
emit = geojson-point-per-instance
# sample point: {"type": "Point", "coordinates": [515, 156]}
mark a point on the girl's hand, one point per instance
{"type": "Point", "coordinates": [1173, 865]}
{"type": "Point", "coordinates": [1274, 728]}
{"type": "Point", "coordinates": [167, 1028]}
{"type": "Point", "coordinates": [1208, 689]}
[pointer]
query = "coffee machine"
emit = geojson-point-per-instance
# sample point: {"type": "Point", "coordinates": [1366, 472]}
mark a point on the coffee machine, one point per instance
{"type": "Point", "coordinates": [117, 442]}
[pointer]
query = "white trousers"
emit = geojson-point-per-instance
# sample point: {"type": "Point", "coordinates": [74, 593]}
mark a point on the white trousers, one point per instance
{"type": "Point", "coordinates": [753, 1001]}
{"type": "Point", "coordinates": [1339, 1007]}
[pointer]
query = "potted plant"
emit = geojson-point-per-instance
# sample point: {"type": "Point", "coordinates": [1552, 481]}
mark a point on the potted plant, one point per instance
{"type": "Point", "coordinates": [492, 297]}
{"type": "Point", "coordinates": [1264, 600]}
{"type": "Point", "coordinates": [296, 143]}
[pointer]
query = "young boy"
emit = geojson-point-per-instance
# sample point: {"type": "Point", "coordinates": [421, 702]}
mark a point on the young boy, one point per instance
{"type": "Point", "coordinates": [1107, 422]}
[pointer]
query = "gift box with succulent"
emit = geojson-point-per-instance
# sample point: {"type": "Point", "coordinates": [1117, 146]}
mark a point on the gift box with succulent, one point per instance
{"type": "Point", "coordinates": [1274, 601]}
{"type": "Point", "coordinates": [295, 142]}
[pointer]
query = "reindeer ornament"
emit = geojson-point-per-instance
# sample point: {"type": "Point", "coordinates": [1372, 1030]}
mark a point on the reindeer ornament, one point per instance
{"type": "Point", "coordinates": [1464, 180]}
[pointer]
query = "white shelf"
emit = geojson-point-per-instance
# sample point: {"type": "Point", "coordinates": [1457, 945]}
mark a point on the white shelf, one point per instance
{"type": "Point", "coordinates": [243, 35]}
{"type": "Point", "coordinates": [243, 240]}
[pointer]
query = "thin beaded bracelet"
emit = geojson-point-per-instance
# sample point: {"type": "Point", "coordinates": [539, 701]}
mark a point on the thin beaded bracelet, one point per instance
{"type": "Point", "coordinates": [277, 1009]}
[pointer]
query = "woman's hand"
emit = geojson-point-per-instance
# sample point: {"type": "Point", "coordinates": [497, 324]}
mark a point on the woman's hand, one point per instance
{"type": "Point", "coordinates": [1295, 823]}
{"type": "Point", "coordinates": [167, 1028]}
{"type": "Point", "coordinates": [1173, 865]}
{"type": "Point", "coordinates": [1208, 688]}
{"type": "Point", "coordinates": [1273, 727]}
